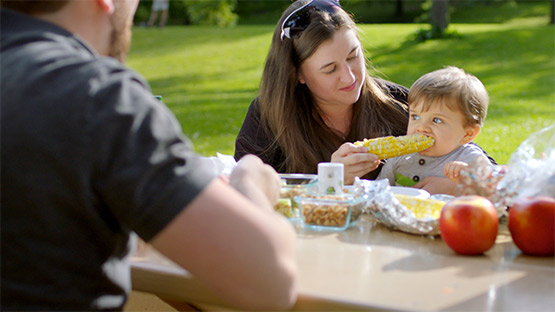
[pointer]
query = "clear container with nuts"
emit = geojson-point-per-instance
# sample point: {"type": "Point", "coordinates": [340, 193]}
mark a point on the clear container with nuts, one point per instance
{"type": "Point", "coordinates": [330, 212]}
{"type": "Point", "coordinates": [292, 185]}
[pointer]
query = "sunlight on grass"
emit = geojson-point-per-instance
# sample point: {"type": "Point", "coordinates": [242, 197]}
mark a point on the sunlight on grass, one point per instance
{"type": "Point", "coordinates": [208, 76]}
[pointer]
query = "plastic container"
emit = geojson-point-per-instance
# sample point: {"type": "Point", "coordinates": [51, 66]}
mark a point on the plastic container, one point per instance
{"type": "Point", "coordinates": [330, 212]}
{"type": "Point", "coordinates": [293, 185]}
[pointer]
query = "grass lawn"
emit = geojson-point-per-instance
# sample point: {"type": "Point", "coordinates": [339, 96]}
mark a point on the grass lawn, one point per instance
{"type": "Point", "coordinates": [208, 76]}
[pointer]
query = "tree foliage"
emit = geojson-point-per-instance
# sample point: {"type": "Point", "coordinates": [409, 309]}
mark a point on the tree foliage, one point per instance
{"type": "Point", "coordinates": [213, 12]}
{"type": "Point", "coordinates": [227, 12]}
{"type": "Point", "coordinates": [198, 12]}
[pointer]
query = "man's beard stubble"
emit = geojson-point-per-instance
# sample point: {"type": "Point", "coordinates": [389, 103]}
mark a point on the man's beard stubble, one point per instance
{"type": "Point", "coordinates": [120, 40]}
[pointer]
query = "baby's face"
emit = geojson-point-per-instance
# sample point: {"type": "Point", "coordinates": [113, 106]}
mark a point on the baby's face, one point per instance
{"type": "Point", "coordinates": [439, 122]}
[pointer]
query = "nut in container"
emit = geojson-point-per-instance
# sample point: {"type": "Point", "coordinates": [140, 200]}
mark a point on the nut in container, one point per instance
{"type": "Point", "coordinates": [330, 212]}
{"type": "Point", "coordinates": [293, 185]}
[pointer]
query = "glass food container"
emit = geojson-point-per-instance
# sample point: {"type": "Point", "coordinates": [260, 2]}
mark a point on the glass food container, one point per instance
{"type": "Point", "coordinates": [330, 212]}
{"type": "Point", "coordinates": [293, 185]}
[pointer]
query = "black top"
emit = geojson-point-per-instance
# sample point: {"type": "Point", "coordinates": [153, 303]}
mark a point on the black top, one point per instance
{"type": "Point", "coordinates": [88, 157]}
{"type": "Point", "coordinates": [253, 139]}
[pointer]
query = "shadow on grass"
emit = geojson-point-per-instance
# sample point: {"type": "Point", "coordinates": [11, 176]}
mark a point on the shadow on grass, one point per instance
{"type": "Point", "coordinates": [498, 12]}
{"type": "Point", "coordinates": [205, 114]}
{"type": "Point", "coordinates": [494, 57]}
{"type": "Point", "coordinates": [171, 38]}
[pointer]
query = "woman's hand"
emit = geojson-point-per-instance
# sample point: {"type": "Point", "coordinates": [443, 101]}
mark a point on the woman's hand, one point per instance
{"type": "Point", "coordinates": [437, 185]}
{"type": "Point", "coordinates": [356, 161]}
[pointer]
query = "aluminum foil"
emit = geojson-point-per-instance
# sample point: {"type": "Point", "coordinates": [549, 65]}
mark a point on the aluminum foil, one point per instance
{"type": "Point", "coordinates": [531, 168]}
{"type": "Point", "coordinates": [386, 208]}
{"type": "Point", "coordinates": [481, 178]}
{"type": "Point", "coordinates": [530, 172]}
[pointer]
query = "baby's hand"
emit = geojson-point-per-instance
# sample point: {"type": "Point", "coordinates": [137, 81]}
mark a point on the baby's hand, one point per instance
{"type": "Point", "coordinates": [453, 169]}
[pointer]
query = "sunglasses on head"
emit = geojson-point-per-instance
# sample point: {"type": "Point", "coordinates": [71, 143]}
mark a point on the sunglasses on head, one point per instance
{"type": "Point", "coordinates": [298, 20]}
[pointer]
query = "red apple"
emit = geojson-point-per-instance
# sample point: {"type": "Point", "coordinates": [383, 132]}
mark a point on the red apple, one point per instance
{"type": "Point", "coordinates": [532, 225]}
{"type": "Point", "coordinates": [468, 224]}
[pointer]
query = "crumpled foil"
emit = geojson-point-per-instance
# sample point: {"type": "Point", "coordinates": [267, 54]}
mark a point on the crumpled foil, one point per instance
{"type": "Point", "coordinates": [531, 168]}
{"type": "Point", "coordinates": [388, 211]}
{"type": "Point", "coordinates": [529, 172]}
{"type": "Point", "coordinates": [481, 178]}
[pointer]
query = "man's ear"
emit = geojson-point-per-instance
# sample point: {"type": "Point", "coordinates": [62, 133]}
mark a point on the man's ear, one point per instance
{"type": "Point", "coordinates": [470, 133]}
{"type": "Point", "coordinates": [107, 5]}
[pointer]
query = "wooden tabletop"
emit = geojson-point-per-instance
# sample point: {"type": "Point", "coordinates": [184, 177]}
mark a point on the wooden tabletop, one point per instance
{"type": "Point", "coordinates": [371, 267]}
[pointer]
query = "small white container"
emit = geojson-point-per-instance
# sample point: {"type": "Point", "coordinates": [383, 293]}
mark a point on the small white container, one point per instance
{"type": "Point", "coordinates": [330, 178]}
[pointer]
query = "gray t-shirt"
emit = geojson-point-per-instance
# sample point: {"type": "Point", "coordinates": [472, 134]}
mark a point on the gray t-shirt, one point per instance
{"type": "Point", "coordinates": [409, 169]}
{"type": "Point", "coordinates": [88, 157]}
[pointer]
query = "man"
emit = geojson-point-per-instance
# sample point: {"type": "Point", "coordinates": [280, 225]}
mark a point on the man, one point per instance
{"type": "Point", "coordinates": [159, 6]}
{"type": "Point", "coordinates": [89, 157]}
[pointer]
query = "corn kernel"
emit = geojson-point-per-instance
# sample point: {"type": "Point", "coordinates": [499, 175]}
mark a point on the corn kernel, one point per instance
{"type": "Point", "coordinates": [390, 146]}
{"type": "Point", "coordinates": [422, 208]}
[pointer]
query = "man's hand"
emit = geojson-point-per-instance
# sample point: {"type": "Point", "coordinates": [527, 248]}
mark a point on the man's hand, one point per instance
{"type": "Point", "coordinates": [257, 181]}
{"type": "Point", "coordinates": [221, 227]}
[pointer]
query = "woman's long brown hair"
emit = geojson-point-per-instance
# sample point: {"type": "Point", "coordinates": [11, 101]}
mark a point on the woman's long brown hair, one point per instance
{"type": "Point", "coordinates": [287, 107]}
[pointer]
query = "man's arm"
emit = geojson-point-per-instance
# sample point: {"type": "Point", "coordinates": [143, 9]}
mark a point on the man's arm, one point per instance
{"type": "Point", "coordinates": [243, 252]}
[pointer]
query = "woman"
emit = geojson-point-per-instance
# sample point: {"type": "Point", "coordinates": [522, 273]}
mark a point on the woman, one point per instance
{"type": "Point", "coordinates": [316, 96]}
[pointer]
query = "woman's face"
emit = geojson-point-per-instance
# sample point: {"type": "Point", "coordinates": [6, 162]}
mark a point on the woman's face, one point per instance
{"type": "Point", "coordinates": [335, 72]}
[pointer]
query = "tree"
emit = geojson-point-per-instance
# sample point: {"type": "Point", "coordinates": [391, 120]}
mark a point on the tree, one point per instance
{"type": "Point", "coordinates": [439, 17]}
{"type": "Point", "coordinates": [214, 12]}
{"type": "Point", "coordinates": [399, 12]}
{"type": "Point", "coordinates": [552, 21]}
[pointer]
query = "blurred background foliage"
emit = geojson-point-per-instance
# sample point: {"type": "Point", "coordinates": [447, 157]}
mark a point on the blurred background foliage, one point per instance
{"type": "Point", "coordinates": [227, 13]}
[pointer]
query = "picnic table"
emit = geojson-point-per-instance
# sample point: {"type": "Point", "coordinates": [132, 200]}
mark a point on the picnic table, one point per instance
{"type": "Point", "coordinates": [371, 267]}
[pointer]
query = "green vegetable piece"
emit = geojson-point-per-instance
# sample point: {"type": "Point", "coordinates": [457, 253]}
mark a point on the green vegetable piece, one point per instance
{"type": "Point", "coordinates": [404, 181]}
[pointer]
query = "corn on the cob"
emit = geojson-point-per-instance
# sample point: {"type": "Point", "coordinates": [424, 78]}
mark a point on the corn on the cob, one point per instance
{"type": "Point", "coordinates": [422, 208]}
{"type": "Point", "coordinates": [390, 146]}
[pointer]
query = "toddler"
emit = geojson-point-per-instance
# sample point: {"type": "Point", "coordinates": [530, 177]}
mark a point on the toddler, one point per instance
{"type": "Point", "coordinates": [450, 106]}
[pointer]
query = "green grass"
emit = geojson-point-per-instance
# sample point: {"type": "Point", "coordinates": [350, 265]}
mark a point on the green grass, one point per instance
{"type": "Point", "coordinates": [208, 76]}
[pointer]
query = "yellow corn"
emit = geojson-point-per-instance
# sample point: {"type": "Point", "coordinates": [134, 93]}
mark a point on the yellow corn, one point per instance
{"type": "Point", "coordinates": [422, 208]}
{"type": "Point", "coordinates": [284, 207]}
{"type": "Point", "coordinates": [390, 146]}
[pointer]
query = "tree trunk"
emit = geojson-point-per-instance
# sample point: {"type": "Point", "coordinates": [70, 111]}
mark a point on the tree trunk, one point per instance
{"type": "Point", "coordinates": [399, 8]}
{"type": "Point", "coordinates": [440, 15]}
{"type": "Point", "coordinates": [552, 12]}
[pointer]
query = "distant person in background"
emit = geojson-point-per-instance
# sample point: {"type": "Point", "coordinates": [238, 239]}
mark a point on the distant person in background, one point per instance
{"type": "Point", "coordinates": [157, 6]}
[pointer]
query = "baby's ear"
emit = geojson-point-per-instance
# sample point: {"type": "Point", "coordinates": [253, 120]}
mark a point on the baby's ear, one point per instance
{"type": "Point", "coordinates": [470, 133]}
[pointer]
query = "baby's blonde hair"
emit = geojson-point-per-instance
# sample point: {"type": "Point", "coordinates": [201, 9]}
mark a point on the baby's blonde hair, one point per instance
{"type": "Point", "coordinates": [455, 88]}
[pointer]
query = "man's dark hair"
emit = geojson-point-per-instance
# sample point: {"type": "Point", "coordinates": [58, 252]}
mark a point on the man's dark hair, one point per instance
{"type": "Point", "coordinates": [33, 6]}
